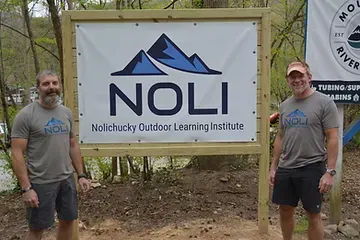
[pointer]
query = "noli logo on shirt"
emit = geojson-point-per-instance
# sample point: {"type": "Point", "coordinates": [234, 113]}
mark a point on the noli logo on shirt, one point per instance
{"type": "Point", "coordinates": [55, 126]}
{"type": "Point", "coordinates": [296, 119]}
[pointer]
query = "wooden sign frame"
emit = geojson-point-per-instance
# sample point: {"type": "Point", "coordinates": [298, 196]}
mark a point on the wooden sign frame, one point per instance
{"type": "Point", "coordinates": [261, 146]}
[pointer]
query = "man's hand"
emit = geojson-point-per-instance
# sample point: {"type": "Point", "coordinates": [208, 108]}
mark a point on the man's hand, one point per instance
{"type": "Point", "coordinates": [272, 176]}
{"type": "Point", "coordinates": [31, 199]}
{"type": "Point", "coordinates": [85, 184]}
{"type": "Point", "coordinates": [326, 183]}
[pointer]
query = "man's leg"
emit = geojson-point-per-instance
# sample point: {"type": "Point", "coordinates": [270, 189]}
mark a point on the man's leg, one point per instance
{"type": "Point", "coordinates": [316, 227]}
{"type": "Point", "coordinates": [287, 221]}
{"type": "Point", "coordinates": [34, 234]}
{"type": "Point", "coordinates": [41, 218]}
{"type": "Point", "coordinates": [311, 198]}
{"type": "Point", "coordinates": [284, 194]}
{"type": "Point", "coordinates": [65, 230]}
{"type": "Point", "coordinates": [67, 208]}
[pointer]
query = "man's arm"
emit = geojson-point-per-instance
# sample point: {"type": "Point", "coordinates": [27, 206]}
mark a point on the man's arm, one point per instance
{"type": "Point", "coordinates": [18, 147]}
{"type": "Point", "coordinates": [75, 156]}
{"type": "Point", "coordinates": [77, 162]}
{"type": "Point", "coordinates": [332, 139]}
{"type": "Point", "coordinates": [276, 155]}
{"type": "Point", "coordinates": [277, 149]}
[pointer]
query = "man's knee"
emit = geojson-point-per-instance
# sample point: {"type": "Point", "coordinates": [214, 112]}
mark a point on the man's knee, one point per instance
{"type": "Point", "coordinates": [66, 223]}
{"type": "Point", "coordinates": [313, 218]}
{"type": "Point", "coordinates": [287, 211]}
{"type": "Point", "coordinates": [34, 234]}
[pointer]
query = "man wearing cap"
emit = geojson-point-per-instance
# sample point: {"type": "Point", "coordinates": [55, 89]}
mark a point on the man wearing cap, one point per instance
{"type": "Point", "coordinates": [302, 168]}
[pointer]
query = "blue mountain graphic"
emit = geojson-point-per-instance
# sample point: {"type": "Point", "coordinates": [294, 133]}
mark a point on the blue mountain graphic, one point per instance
{"type": "Point", "coordinates": [166, 52]}
{"type": "Point", "coordinates": [53, 122]}
{"type": "Point", "coordinates": [297, 113]}
{"type": "Point", "coordinates": [139, 65]}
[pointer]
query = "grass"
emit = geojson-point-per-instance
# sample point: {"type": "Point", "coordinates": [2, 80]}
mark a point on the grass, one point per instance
{"type": "Point", "coordinates": [302, 225]}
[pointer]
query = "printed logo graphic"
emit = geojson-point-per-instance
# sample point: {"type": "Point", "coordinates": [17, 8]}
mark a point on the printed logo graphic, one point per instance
{"type": "Point", "coordinates": [345, 36]}
{"type": "Point", "coordinates": [53, 122]}
{"type": "Point", "coordinates": [55, 126]}
{"type": "Point", "coordinates": [296, 119]}
{"type": "Point", "coordinates": [354, 39]}
{"type": "Point", "coordinates": [166, 52]}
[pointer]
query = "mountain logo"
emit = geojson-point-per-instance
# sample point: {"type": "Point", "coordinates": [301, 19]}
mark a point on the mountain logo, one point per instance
{"type": "Point", "coordinates": [296, 113]}
{"type": "Point", "coordinates": [354, 38]}
{"type": "Point", "coordinates": [55, 126]}
{"type": "Point", "coordinates": [53, 122]}
{"type": "Point", "coordinates": [166, 52]}
{"type": "Point", "coordinates": [344, 36]}
{"type": "Point", "coordinates": [296, 119]}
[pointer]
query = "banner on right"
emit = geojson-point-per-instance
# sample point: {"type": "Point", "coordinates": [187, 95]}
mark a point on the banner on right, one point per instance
{"type": "Point", "coordinates": [332, 48]}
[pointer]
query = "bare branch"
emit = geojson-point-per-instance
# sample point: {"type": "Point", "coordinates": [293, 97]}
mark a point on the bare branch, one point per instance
{"type": "Point", "coordinates": [285, 31]}
{"type": "Point", "coordinates": [39, 45]}
{"type": "Point", "coordinates": [132, 4]}
{"type": "Point", "coordinates": [172, 4]}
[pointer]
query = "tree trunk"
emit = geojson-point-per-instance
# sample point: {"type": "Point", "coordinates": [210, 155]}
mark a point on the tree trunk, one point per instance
{"type": "Point", "coordinates": [31, 35]}
{"type": "Point", "coordinates": [131, 164]}
{"type": "Point", "coordinates": [114, 167]}
{"type": "Point", "coordinates": [3, 94]}
{"type": "Point", "coordinates": [146, 169]}
{"type": "Point", "coordinates": [70, 4]}
{"type": "Point", "coordinates": [124, 169]}
{"type": "Point", "coordinates": [57, 31]}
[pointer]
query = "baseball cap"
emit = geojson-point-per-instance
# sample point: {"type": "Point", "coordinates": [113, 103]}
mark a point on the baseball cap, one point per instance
{"type": "Point", "coordinates": [297, 66]}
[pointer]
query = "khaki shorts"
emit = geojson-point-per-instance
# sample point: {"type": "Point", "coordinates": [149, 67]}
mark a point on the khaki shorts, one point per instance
{"type": "Point", "coordinates": [60, 196]}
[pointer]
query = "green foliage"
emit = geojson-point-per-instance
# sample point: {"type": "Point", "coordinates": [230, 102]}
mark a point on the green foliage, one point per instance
{"type": "Point", "coordinates": [12, 113]}
{"type": "Point", "coordinates": [302, 225]}
{"type": "Point", "coordinates": [45, 41]}
{"type": "Point", "coordinates": [99, 167]}
{"type": "Point", "coordinates": [355, 141]}
{"type": "Point", "coordinates": [198, 3]}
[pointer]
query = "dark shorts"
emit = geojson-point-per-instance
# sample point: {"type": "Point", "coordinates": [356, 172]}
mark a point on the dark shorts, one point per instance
{"type": "Point", "coordinates": [292, 185]}
{"type": "Point", "coordinates": [59, 196]}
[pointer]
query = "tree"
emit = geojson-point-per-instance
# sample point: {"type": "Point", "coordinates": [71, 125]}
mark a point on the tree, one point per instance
{"type": "Point", "coordinates": [55, 19]}
{"type": "Point", "coordinates": [25, 9]}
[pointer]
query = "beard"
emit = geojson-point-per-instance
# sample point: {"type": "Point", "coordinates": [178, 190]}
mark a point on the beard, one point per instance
{"type": "Point", "coordinates": [50, 98]}
{"type": "Point", "coordinates": [298, 90]}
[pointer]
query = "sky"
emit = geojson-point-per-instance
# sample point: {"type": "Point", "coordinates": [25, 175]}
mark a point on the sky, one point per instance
{"type": "Point", "coordinates": [38, 10]}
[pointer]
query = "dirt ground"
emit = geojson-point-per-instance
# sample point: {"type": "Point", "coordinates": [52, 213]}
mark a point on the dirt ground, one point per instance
{"type": "Point", "coordinates": [186, 204]}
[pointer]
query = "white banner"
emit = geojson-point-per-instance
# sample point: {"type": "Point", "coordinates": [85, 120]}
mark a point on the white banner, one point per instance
{"type": "Point", "coordinates": [167, 82]}
{"type": "Point", "coordinates": [333, 47]}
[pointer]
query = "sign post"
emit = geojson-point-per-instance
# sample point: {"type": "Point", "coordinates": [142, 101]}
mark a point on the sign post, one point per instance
{"type": "Point", "coordinates": [333, 52]}
{"type": "Point", "coordinates": [171, 82]}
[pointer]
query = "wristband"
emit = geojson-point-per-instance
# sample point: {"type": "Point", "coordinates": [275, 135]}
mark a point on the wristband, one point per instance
{"type": "Point", "coordinates": [26, 189]}
{"type": "Point", "coordinates": [81, 176]}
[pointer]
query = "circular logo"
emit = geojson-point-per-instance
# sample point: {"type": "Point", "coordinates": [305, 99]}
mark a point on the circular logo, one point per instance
{"type": "Point", "coordinates": [345, 36]}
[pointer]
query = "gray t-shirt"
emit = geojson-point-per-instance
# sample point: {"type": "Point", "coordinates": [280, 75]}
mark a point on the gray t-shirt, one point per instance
{"type": "Point", "coordinates": [48, 132]}
{"type": "Point", "coordinates": [303, 122]}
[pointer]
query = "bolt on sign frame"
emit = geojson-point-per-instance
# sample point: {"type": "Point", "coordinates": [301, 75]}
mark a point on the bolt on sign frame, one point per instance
{"type": "Point", "coordinates": [259, 147]}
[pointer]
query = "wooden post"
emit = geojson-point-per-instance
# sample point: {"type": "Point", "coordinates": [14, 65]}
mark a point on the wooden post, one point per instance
{"type": "Point", "coordinates": [69, 88]}
{"type": "Point", "coordinates": [335, 199]}
{"type": "Point", "coordinates": [263, 203]}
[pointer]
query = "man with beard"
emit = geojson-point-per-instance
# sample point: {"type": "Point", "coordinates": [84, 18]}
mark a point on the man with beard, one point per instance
{"type": "Point", "coordinates": [43, 130]}
{"type": "Point", "coordinates": [302, 168]}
